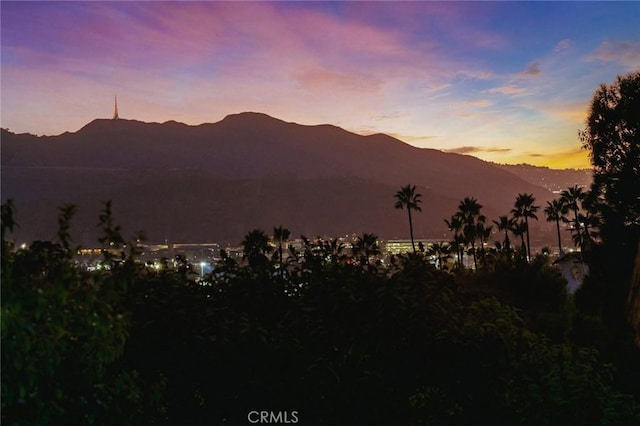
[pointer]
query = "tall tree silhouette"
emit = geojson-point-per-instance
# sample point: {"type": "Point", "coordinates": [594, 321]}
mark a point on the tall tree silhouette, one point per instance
{"type": "Point", "coordinates": [409, 198]}
{"type": "Point", "coordinates": [555, 212]}
{"type": "Point", "coordinates": [612, 136]}
{"type": "Point", "coordinates": [524, 208]}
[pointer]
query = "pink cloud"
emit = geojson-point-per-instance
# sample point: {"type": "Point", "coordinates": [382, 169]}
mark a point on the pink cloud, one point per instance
{"type": "Point", "coordinates": [322, 79]}
{"type": "Point", "coordinates": [506, 90]}
{"type": "Point", "coordinates": [482, 103]}
{"type": "Point", "coordinates": [474, 74]}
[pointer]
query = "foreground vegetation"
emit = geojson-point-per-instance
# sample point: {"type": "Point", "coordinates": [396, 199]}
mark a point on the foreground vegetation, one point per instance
{"type": "Point", "coordinates": [326, 332]}
{"type": "Point", "coordinates": [330, 333]}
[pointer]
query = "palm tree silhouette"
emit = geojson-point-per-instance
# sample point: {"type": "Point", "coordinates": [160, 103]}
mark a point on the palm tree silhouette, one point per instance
{"type": "Point", "coordinates": [255, 246]}
{"type": "Point", "coordinates": [505, 223]}
{"type": "Point", "coordinates": [555, 212]}
{"type": "Point", "coordinates": [442, 252]}
{"type": "Point", "coordinates": [524, 208]}
{"type": "Point", "coordinates": [333, 250]}
{"type": "Point", "coordinates": [469, 214]}
{"type": "Point", "coordinates": [280, 235]}
{"type": "Point", "coordinates": [483, 232]}
{"type": "Point", "coordinates": [455, 225]}
{"type": "Point", "coordinates": [407, 197]}
{"type": "Point", "coordinates": [365, 247]}
{"type": "Point", "coordinates": [571, 197]}
{"type": "Point", "coordinates": [519, 228]}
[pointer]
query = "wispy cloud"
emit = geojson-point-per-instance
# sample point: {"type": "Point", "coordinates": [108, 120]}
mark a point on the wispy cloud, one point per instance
{"type": "Point", "coordinates": [563, 45]}
{"type": "Point", "coordinates": [387, 116]}
{"type": "Point", "coordinates": [482, 103]}
{"type": "Point", "coordinates": [532, 69]}
{"type": "Point", "coordinates": [475, 74]}
{"type": "Point", "coordinates": [622, 52]}
{"type": "Point", "coordinates": [477, 149]}
{"type": "Point", "coordinates": [507, 89]}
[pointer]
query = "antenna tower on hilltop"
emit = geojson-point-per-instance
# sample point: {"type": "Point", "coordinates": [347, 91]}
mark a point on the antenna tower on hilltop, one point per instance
{"type": "Point", "coordinates": [115, 112]}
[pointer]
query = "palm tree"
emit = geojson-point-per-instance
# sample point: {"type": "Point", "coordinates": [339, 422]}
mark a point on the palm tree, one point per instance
{"type": "Point", "coordinates": [455, 225]}
{"type": "Point", "coordinates": [441, 251]}
{"type": "Point", "coordinates": [518, 229]}
{"type": "Point", "coordinates": [407, 197]}
{"type": "Point", "coordinates": [584, 239]}
{"type": "Point", "coordinates": [333, 250]}
{"type": "Point", "coordinates": [366, 246]}
{"type": "Point", "coordinates": [505, 223]}
{"type": "Point", "coordinates": [280, 235]}
{"type": "Point", "coordinates": [555, 212]}
{"type": "Point", "coordinates": [570, 197]}
{"type": "Point", "coordinates": [524, 208]}
{"type": "Point", "coordinates": [469, 214]}
{"type": "Point", "coordinates": [483, 232]}
{"type": "Point", "coordinates": [255, 246]}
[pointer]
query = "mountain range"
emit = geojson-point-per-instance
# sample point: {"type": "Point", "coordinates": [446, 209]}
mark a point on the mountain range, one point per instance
{"type": "Point", "coordinates": [216, 181]}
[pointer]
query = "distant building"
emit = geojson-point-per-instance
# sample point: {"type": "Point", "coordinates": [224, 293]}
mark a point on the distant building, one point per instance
{"type": "Point", "coordinates": [404, 246]}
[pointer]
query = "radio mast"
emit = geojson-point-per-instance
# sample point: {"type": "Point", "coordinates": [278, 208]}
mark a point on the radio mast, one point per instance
{"type": "Point", "coordinates": [115, 111]}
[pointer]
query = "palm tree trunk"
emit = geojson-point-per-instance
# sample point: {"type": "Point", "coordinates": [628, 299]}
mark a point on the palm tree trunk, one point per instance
{"type": "Point", "coordinates": [633, 299]}
{"type": "Point", "coordinates": [473, 250]}
{"type": "Point", "coordinates": [577, 224]}
{"type": "Point", "coordinates": [411, 230]}
{"type": "Point", "coordinates": [526, 221]}
{"type": "Point", "coordinates": [559, 241]}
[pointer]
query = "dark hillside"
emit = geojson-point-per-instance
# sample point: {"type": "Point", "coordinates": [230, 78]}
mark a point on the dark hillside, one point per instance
{"type": "Point", "coordinates": [172, 176]}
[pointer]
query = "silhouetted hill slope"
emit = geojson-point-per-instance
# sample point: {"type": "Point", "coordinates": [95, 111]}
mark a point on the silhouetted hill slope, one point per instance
{"type": "Point", "coordinates": [190, 205]}
{"type": "Point", "coordinates": [135, 162]}
{"type": "Point", "coordinates": [551, 179]}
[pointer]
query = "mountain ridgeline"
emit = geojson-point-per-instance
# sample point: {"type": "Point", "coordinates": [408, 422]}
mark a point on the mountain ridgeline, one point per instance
{"type": "Point", "coordinates": [214, 182]}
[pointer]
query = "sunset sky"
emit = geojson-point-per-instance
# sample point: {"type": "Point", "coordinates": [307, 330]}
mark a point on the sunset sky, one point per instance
{"type": "Point", "coordinates": [508, 82]}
